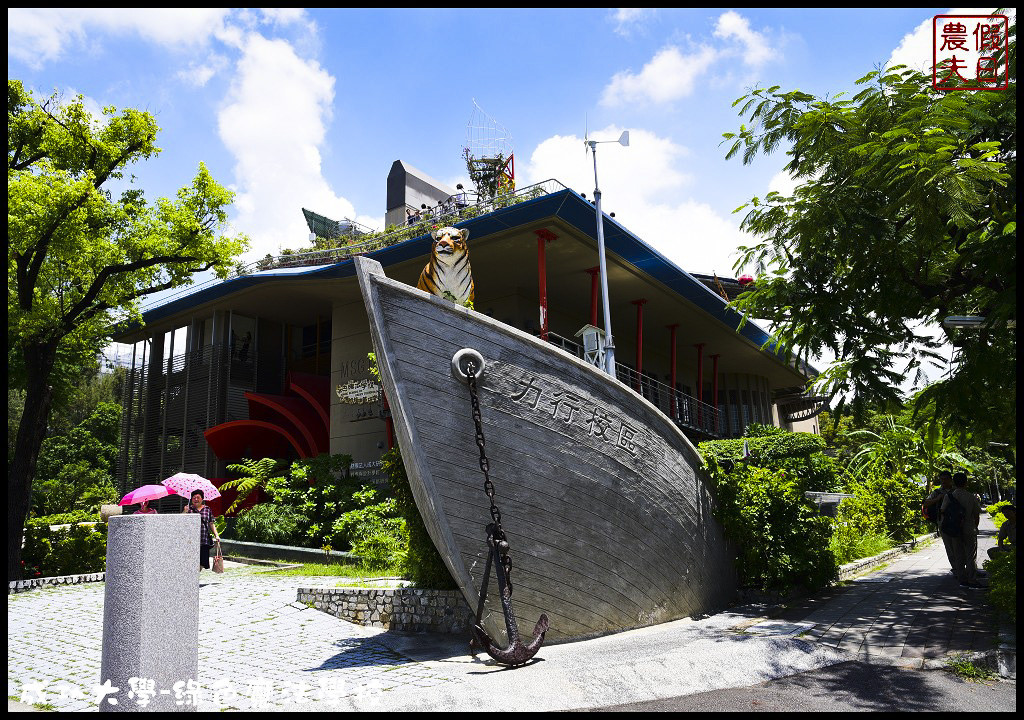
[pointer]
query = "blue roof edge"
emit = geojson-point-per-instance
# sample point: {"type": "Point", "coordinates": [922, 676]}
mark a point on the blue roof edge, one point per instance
{"type": "Point", "coordinates": [565, 204]}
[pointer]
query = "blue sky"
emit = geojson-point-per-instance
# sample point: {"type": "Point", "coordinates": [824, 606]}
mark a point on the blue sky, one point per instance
{"type": "Point", "coordinates": [295, 108]}
{"type": "Point", "coordinates": [309, 108]}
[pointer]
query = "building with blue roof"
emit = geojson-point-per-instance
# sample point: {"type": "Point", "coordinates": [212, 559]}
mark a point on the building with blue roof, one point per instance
{"type": "Point", "coordinates": [273, 362]}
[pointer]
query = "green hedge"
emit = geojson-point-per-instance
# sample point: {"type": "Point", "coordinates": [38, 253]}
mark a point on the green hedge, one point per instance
{"type": "Point", "coordinates": [782, 542]}
{"type": "Point", "coordinates": [74, 550]}
{"type": "Point", "coordinates": [1002, 582]}
{"type": "Point", "coordinates": [764, 450]}
{"type": "Point", "coordinates": [424, 564]}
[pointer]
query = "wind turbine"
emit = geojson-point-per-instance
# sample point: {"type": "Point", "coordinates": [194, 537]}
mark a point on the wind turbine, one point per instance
{"type": "Point", "coordinates": [591, 145]}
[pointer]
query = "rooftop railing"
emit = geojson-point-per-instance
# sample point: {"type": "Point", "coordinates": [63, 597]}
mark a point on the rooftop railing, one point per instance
{"type": "Point", "coordinates": [450, 212]}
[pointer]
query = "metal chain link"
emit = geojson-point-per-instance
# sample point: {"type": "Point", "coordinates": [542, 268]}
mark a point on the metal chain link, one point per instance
{"type": "Point", "coordinates": [485, 465]}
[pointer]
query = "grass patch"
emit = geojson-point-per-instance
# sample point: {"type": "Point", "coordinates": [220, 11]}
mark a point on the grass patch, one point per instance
{"type": "Point", "coordinates": [966, 669]}
{"type": "Point", "coordinates": [848, 544]}
{"type": "Point", "coordinates": [332, 569]}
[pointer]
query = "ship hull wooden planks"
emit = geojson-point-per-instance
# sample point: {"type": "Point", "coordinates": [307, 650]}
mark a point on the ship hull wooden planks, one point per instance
{"type": "Point", "coordinates": [604, 501]}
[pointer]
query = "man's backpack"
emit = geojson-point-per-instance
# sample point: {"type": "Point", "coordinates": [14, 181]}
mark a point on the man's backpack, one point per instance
{"type": "Point", "coordinates": [953, 517]}
{"type": "Point", "coordinates": [931, 512]}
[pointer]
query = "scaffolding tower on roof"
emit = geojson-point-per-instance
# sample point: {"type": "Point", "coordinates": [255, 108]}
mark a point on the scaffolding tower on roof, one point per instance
{"type": "Point", "coordinates": [489, 154]}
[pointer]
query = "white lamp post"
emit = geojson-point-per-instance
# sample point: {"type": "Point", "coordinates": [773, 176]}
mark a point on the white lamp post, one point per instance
{"type": "Point", "coordinates": [609, 343]}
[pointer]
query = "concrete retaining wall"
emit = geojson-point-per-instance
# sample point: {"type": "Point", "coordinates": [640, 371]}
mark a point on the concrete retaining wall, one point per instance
{"type": "Point", "coordinates": [409, 609]}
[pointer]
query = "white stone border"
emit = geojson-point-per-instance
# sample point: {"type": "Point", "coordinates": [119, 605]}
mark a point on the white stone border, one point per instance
{"type": "Point", "coordinates": [17, 586]}
{"type": "Point", "coordinates": [857, 566]}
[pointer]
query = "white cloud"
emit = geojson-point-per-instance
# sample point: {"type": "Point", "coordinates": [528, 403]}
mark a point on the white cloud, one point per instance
{"type": "Point", "coordinates": [274, 123]}
{"type": "Point", "coordinates": [198, 74]}
{"type": "Point", "coordinates": [783, 183]}
{"type": "Point", "coordinates": [673, 74]}
{"type": "Point", "coordinates": [629, 19]}
{"type": "Point", "coordinates": [669, 76]}
{"type": "Point", "coordinates": [642, 185]}
{"type": "Point", "coordinates": [756, 51]}
{"type": "Point", "coordinates": [36, 36]}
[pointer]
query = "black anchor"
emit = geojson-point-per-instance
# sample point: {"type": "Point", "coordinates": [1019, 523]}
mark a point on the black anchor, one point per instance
{"type": "Point", "coordinates": [517, 653]}
{"type": "Point", "coordinates": [468, 365]}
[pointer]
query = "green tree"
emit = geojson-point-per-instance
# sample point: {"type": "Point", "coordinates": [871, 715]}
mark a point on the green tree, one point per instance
{"type": "Point", "coordinates": [906, 215]}
{"type": "Point", "coordinates": [79, 260]}
{"type": "Point", "coordinates": [75, 470]}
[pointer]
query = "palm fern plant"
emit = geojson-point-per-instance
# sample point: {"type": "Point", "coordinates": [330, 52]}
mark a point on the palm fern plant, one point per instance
{"type": "Point", "coordinates": [253, 475]}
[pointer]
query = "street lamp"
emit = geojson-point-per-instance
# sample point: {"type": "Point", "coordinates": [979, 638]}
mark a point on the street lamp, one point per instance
{"type": "Point", "coordinates": [609, 343]}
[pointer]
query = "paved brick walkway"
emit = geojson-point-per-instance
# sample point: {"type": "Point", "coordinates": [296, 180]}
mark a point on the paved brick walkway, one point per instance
{"type": "Point", "coordinates": [912, 612]}
{"type": "Point", "coordinates": [258, 648]}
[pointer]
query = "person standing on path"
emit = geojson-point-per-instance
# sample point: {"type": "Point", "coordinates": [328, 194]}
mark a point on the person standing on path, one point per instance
{"type": "Point", "coordinates": [965, 547]}
{"type": "Point", "coordinates": [207, 529]}
{"type": "Point", "coordinates": [935, 500]}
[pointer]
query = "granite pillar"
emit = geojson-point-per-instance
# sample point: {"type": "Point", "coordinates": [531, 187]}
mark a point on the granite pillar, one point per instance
{"type": "Point", "coordinates": [151, 613]}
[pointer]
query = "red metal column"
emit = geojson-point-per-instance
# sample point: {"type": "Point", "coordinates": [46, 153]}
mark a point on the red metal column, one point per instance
{"type": "Point", "coordinates": [595, 276]}
{"type": "Point", "coordinates": [639, 338]}
{"type": "Point", "coordinates": [672, 371]}
{"type": "Point", "coordinates": [714, 387]}
{"type": "Point", "coordinates": [700, 380]}
{"type": "Point", "coordinates": [544, 236]}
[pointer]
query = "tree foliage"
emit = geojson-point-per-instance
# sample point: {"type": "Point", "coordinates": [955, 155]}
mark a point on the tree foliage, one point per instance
{"type": "Point", "coordinates": [906, 214]}
{"type": "Point", "coordinates": [79, 259]}
{"type": "Point", "coordinates": [76, 469]}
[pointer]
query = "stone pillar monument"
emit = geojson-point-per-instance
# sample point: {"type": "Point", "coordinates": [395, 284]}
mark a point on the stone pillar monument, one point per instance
{"type": "Point", "coordinates": [151, 613]}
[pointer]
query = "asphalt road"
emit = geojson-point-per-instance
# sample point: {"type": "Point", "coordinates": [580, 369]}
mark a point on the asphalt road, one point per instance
{"type": "Point", "coordinates": [848, 686]}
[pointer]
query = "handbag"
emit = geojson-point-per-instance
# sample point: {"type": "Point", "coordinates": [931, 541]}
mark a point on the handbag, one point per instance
{"type": "Point", "coordinates": [218, 560]}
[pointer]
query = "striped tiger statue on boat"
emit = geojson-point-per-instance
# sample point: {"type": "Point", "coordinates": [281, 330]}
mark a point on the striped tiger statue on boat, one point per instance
{"type": "Point", "coordinates": [448, 274]}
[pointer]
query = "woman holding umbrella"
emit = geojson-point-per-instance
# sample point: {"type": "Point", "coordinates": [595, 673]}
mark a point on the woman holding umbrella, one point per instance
{"type": "Point", "coordinates": [197, 489]}
{"type": "Point", "coordinates": [206, 526]}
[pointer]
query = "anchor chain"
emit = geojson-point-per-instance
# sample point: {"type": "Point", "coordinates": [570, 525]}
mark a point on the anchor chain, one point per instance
{"type": "Point", "coordinates": [517, 653]}
{"type": "Point", "coordinates": [485, 467]}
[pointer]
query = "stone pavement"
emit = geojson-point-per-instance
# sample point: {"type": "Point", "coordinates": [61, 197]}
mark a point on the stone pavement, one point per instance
{"type": "Point", "coordinates": [259, 649]}
{"type": "Point", "coordinates": [911, 613]}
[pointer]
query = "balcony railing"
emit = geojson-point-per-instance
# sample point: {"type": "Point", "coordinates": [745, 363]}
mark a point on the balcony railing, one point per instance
{"type": "Point", "coordinates": [688, 412]}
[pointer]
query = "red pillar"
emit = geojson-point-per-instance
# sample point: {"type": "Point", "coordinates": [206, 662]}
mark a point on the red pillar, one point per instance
{"type": "Point", "coordinates": [672, 366]}
{"type": "Point", "coordinates": [595, 275]}
{"type": "Point", "coordinates": [700, 380]}
{"type": "Point", "coordinates": [714, 386]}
{"type": "Point", "coordinates": [544, 236]}
{"type": "Point", "coordinates": [639, 339]}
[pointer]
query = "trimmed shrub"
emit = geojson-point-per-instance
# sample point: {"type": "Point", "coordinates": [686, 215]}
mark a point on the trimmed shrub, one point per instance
{"type": "Point", "coordinates": [884, 504]}
{"type": "Point", "coordinates": [1002, 582]}
{"type": "Point", "coordinates": [782, 542]}
{"type": "Point", "coordinates": [423, 562]}
{"type": "Point", "coordinates": [73, 550]}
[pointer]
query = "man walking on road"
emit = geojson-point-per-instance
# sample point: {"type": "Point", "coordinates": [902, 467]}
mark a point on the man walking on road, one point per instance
{"type": "Point", "coordinates": [935, 500]}
{"type": "Point", "coordinates": [964, 545]}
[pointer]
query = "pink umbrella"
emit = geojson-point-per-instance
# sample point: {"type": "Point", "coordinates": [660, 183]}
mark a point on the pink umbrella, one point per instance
{"type": "Point", "coordinates": [144, 493]}
{"type": "Point", "coordinates": [185, 484]}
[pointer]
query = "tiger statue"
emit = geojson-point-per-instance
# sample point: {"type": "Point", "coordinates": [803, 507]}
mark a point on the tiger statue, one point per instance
{"type": "Point", "coordinates": [448, 274]}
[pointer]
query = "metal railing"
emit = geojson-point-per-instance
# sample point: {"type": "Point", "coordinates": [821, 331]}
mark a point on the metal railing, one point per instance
{"type": "Point", "coordinates": [446, 213]}
{"type": "Point", "coordinates": [688, 412]}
